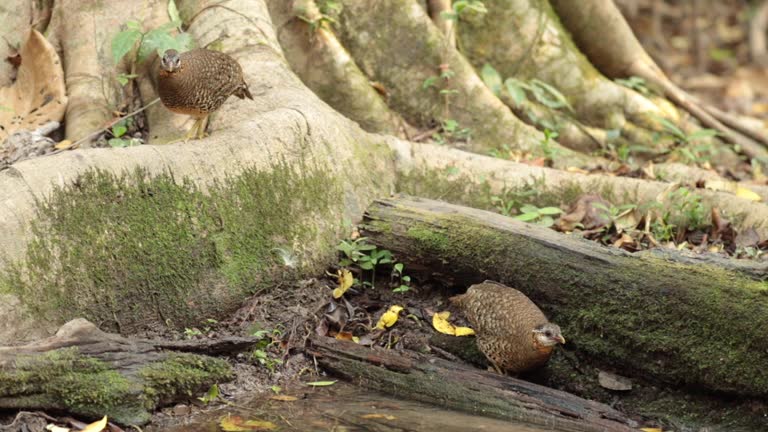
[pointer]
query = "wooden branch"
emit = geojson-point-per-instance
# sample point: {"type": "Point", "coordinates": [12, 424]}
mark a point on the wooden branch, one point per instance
{"type": "Point", "coordinates": [88, 372]}
{"type": "Point", "coordinates": [692, 320]}
{"type": "Point", "coordinates": [464, 388]}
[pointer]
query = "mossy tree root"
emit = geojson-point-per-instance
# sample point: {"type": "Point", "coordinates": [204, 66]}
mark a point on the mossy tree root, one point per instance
{"type": "Point", "coordinates": [681, 321]}
{"type": "Point", "coordinates": [463, 388]}
{"type": "Point", "coordinates": [87, 372]}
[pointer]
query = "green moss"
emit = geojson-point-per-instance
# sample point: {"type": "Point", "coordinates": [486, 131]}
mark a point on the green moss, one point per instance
{"type": "Point", "coordinates": [67, 380]}
{"type": "Point", "coordinates": [82, 385]}
{"type": "Point", "coordinates": [182, 374]}
{"type": "Point", "coordinates": [690, 324]}
{"type": "Point", "coordinates": [127, 251]}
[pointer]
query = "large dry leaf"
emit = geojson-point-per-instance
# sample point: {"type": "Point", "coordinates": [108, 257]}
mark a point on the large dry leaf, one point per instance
{"type": "Point", "coordinates": [38, 95]}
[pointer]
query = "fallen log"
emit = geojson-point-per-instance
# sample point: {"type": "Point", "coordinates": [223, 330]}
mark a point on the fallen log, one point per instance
{"type": "Point", "coordinates": [680, 320]}
{"type": "Point", "coordinates": [85, 371]}
{"type": "Point", "coordinates": [463, 388]}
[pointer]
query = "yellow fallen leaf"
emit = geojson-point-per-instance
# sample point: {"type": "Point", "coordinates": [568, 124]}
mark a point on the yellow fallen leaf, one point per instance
{"type": "Point", "coordinates": [63, 145]}
{"type": "Point", "coordinates": [53, 428]}
{"type": "Point", "coordinates": [232, 423]}
{"type": "Point", "coordinates": [578, 170]}
{"type": "Point", "coordinates": [464, 331]}
{"type": "Point", "coordinates": [441, 324]}
{"type": "Point", "coordinates": [345, 281]}
{"type": "Point", "coordinates": [651, 429]}
{"type": "Point", "coordinates": [745, 193]}
{"type": "Point", "coordinates": [96, 426]}
{"type": "Point", "coordinates": [378, 416]}
{"type": "Point", "coordinates": [284, 398]}
{"type": "Point", "coordinates": [259, 425]}
{"type": "Point", "coordinates": [347, 336]}
{"type": "Point", "coordinates": [321, 383]}
{"type": "Point", "coordinates": [389, 318]}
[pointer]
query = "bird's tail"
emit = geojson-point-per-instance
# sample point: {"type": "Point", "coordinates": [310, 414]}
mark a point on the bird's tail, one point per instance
{"type": "Point", "coordinates": [458, 300]}
{"type": "Point", "coordinates": [243, 92]}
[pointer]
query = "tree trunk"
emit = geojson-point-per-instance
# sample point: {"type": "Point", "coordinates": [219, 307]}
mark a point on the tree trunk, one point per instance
{"type": "Point", "coordinates": [466, 389]}
{"type": "Point", "coordinates": [697, 321]}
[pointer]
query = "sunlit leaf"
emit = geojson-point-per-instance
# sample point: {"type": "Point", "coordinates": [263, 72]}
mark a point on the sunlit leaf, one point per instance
{"type": "Point", "coordinates": [550, 211]}
{"type": "Point", "coordinates": [123, 42]}
{"type": "Point", "coordinates": [173, 11]}
{"type": "Point", "coordinates": [464, 331]}
{"type": "Point", "coordinates": [53, 428]}
{"type": "Point", "coordinates": [525, 217]}
{"type": "Point", "coordinates": [96, 426]}
{"type": "Point", "coordinates": [63, 145]}
{"type": "Point", "coordinates": [345, 280]}
{"type": "Point", "coordinates": [389, 318]}
{"type": "Point", "coordinates": [232, 423]}
{"type": "Point", "coordinates": [378, 416]}
{"type": "Point", "coordinates": [651, 429]}
{"type": "Point", "coordinates": [441, 324]}
{"type": "Point", "coordinates": [516, 90]}
{"type": "Point", "coordinates": [745, 193]}
{"type": "Point", "coordinates": [491, 78]}
{"type": "Point", "coordinates": [321, 383]}
{"type": "Point", "coordinates": [284, 398]}
{"type": "Point", "coordinates": [210, 395]}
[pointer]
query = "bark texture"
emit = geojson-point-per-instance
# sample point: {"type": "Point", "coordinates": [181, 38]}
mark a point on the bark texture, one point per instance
{"type": "Point", "coordinates": [694, 321]}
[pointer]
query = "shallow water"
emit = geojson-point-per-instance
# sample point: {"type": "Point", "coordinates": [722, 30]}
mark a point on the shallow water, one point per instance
{"type": "Point", "coordinates": [345, 408]}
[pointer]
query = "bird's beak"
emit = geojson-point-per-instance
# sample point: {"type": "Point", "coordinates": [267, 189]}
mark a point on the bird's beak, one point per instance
{"type": "Point", "coordinates": [561, 339]}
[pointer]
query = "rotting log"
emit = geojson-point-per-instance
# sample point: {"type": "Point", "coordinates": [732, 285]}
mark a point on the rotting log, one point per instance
{"type": "Point", "coordinates": [671, 318]}
{"type": "Point", "coordinates": [463, 388]}
{"type": "Point", "coordinates": [85, 371]}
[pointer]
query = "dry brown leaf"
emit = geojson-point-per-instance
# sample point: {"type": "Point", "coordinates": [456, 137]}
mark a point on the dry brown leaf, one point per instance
{"type": "Point", "coordinates": [38, 96]}
{"type": "Point", "coordinates": [378, 416]}
{"type": "Point", "coordinates": [63, 145]}
{"type": "Point", "coordinates": [284, 398]}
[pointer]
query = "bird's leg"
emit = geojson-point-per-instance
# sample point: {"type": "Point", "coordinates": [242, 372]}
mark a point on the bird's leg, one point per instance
{"type": "Point", "coordinates": [202, 126]}
{"type": "Point", "coordinates": [192, 133]}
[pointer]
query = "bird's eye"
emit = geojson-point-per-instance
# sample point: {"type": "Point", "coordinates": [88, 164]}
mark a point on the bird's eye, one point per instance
{"type": "Point", "coordinates": [548, 333]}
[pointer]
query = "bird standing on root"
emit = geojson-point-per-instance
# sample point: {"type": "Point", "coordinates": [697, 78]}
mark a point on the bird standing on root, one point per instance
{"type": "Point", "coordinates": [197, 83]}
{"type": "Point", "coordinates": [511, 331]}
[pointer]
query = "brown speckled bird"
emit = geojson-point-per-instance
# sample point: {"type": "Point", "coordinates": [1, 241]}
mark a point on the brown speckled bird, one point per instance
{"type": "Point", "coordinates": [198, 82]}
{"type": "Point", "coordinates": [511, 331]}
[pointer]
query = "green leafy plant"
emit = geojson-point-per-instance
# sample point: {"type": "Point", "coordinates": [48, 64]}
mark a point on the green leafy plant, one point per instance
{"type": "Point", "coordinates": [191, 333]}
{"type": "Point", "coordinates": [211, 395]}
{"type": "Point", "coordinates": [354, 250]}
{"type": "Point", "coordinates": [259, 354]}
{"type": "Point", "coordinates": [404, 280]}
{"type": "Point", "coordinates": [451, 131]}
{"type": "Point", "coordinates": [539, 216]}
{"type": "Point", "coordinates": [460, 6]}
{"type": "Point", "coordinates": [146, 42]}
{"type": "Point", "coordinates": [549, 150]}
{"type": "Point", "coordinates": [682, 211]}
{"type": "Point", "coordinates": [510, 200]}
{"type": "Point", "coordinates": [635, 83]}
{"type": "Point", "coordinates": [118, 131]}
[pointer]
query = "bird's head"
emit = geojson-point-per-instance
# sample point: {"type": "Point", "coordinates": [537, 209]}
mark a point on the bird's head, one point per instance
{"type": "Point", "coordinates": [548, 335]}
{"type": "Point", "coordinates": [171, 61]}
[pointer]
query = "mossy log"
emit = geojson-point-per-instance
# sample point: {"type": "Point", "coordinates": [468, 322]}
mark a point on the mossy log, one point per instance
{"type": "Point", "coordinates": [87, 372]}
{"type": "Point", "coordinates": [681, 320]}
{"type": "Point", "coordinates": [464, 388]}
